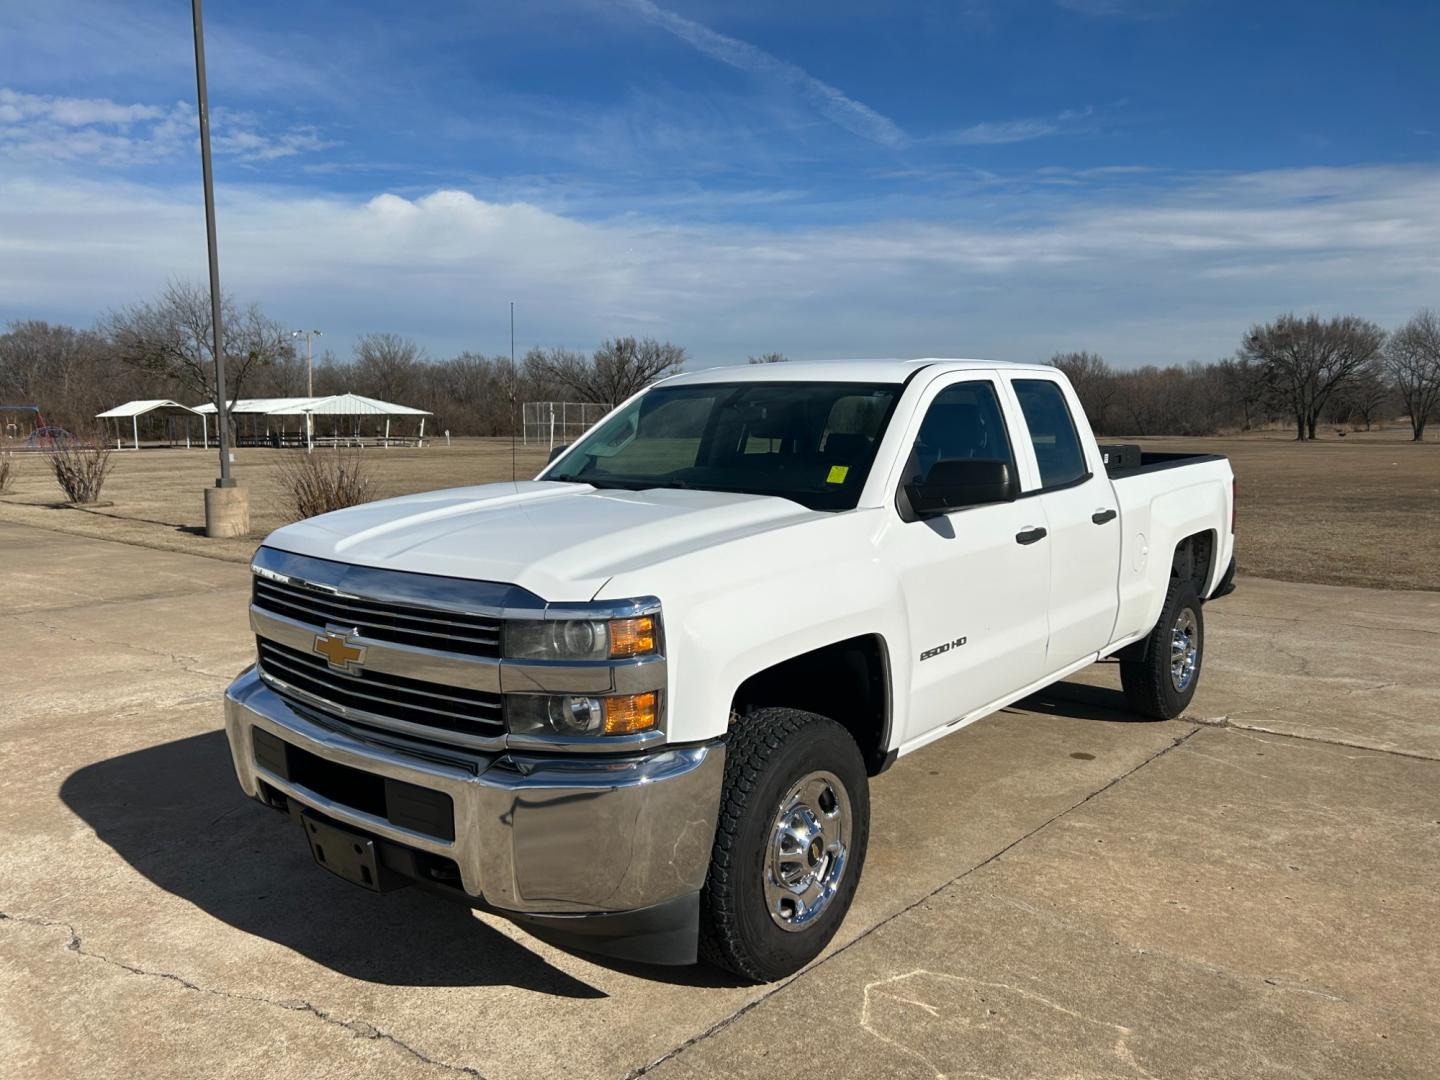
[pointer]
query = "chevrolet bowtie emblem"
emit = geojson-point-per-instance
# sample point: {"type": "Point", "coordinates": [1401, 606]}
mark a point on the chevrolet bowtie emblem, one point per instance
{"type": "Point", "coordinates": [335, 646]}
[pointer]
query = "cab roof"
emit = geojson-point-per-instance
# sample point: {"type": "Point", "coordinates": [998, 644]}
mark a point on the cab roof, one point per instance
{"type": "Point", "coordinates": [859, 370]}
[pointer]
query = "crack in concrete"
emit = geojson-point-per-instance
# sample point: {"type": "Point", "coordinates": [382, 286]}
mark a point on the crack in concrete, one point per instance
{"type": "Point", "coordinates": [89, 602]}
{"type": "Point", "coordinates": [1069, 926]}
{"type": "Point", "coordinates": [722, 1024]}
{"type": "Point", "coordinates": [147, 542]}
{"type": "Point", "coordinates": [182, 661]}
{"type": "Point", "coordinates": [1243, 725]}
{"type": "Point", "coordinates": [360, 1029]}
{"type": "Point", "coordinates": [1330, 614]}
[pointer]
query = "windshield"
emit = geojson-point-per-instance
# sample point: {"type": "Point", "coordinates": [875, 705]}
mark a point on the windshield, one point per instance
{"type": "Point", "coordinates": [810, 442]}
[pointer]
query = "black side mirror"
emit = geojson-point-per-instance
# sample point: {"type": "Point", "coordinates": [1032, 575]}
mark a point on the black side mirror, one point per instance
{"type": "Point", "coordinates": [556, 451]}
{"type": "Point", "coordinates": [957, 483]}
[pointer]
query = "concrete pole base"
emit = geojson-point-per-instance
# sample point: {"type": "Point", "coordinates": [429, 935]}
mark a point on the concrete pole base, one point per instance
{"type": "Point", "coordinates": [227, 512]}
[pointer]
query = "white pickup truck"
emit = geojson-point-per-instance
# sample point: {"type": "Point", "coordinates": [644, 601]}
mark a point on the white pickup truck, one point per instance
{"type": "Point", "coordinates": [633, 704]}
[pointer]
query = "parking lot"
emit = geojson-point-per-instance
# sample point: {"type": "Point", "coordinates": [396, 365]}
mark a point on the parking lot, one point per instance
{"type": "Point", "coordinates": [1058, 891]}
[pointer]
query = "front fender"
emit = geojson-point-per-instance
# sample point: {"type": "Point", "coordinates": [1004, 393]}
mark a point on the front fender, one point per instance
{"type": "Point", "coordinates": [745, 606]}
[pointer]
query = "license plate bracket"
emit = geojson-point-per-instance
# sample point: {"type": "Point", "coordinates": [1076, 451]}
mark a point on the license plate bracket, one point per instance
{"type": "Point", "coordinates": [349, 855]}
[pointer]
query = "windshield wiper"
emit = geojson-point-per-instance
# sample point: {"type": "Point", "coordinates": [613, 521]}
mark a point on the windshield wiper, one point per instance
{"type": "Point", "coordinates": [624, 485]}
{"type": "Point", "coordinates": [604, 484]}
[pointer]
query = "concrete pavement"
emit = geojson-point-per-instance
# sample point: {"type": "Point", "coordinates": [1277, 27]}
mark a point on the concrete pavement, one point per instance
{"type": "Point", "coordinates": [1060, 890]}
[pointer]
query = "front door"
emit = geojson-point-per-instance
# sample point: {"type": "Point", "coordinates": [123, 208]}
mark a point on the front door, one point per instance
{"type": "Point", "coordinates": [975, 594]}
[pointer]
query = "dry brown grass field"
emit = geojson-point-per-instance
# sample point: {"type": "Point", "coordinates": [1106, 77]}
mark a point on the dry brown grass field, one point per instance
{"type": "Point", "coordinates": [1359, 510]}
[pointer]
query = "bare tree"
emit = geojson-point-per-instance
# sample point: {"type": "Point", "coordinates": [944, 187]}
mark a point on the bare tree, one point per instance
{"type": "Point", "coordinates": [1364, 399]}
{"type": "Point", "coordinates": [386, 365]}
{"type": "Point", "coordinates": [171, 338]}
{"type": "Point", "coordinates": [1307, 360]}
{"type": "Point", "coordinates": [67, 372]}
{"type": "Point", "coordinates": [617, 369]}
{"type": "Point", "coordinates": [1412, 359]}
{"type": "Point", "coordinates": [768, 358]}
{"type": "Point", "coordinates": [1242, 383]}
{"type": "Point", "coordinates": [1093, 380]}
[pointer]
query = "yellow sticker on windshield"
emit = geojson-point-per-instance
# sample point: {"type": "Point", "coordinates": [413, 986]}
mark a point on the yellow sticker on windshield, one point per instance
{"type": "Point", "coordinates": [837, 474]}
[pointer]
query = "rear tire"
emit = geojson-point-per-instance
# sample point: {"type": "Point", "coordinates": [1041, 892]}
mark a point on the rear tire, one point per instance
{"type": "Point", "coordinates": [1162, 684]}
{"type": "Point", "coordinates": [789, 846]}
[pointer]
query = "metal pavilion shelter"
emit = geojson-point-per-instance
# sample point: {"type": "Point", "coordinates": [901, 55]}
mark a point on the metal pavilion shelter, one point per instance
{"type": "Point", "coordinates": [133, 410]}
{"type": "Point", "coordinates": [264, 413]}
{"type": "Point", "coordinates": [274, 412]}
{"type": "Point", "coordinates": [355, 405]}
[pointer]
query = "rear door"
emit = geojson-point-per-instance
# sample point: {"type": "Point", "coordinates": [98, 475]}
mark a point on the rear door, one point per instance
{"type": "Point", "coordinates": [976, 595]}
{"type": "Point", "coordinates": [1082, 517]}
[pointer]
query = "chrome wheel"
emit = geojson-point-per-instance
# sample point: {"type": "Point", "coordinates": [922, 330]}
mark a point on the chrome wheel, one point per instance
{"type": "Point", "coordinates": [1184, 650]}
{"type": "Point", "coordinates": [809, 845]}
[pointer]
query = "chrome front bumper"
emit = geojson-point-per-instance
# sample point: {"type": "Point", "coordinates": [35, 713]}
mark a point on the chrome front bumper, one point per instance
{"type": "Point", "coordinates": [533, 834]}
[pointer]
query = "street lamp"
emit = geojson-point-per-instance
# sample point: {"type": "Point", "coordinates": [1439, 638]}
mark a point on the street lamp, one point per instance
{"type": "Point", "coordinates": [309, 377]}
{"type": "Point", "coordinates": [309, 359]}
{"type": "Point", "coordinates": [227, 509]}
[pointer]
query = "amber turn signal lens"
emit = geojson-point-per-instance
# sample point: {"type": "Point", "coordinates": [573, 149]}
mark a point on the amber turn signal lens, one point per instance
{"type": "Point", "coordinates": [630, 713]}
{"type": "Point", "coordinates": [632, 637]}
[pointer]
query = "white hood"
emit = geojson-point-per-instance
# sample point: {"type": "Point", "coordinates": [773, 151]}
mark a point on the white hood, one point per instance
{"type": "Point", "coordinates": [561, 541]}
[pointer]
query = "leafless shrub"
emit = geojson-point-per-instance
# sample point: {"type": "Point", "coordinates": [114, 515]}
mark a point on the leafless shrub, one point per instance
{"type": "Point", "coordinates": [325, 480]}
{"type": "Point", "coordinates": [8, 471]}
{"type": "Point", "coordinates": [80, 467]}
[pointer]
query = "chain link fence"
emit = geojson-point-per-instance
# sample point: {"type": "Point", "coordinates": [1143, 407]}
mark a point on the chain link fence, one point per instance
{"type": "Point", "coordinates": [555, 423]}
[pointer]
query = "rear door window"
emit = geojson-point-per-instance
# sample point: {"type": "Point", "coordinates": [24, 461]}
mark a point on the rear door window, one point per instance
{"type": "Point", "coordinates": [1052, 430]}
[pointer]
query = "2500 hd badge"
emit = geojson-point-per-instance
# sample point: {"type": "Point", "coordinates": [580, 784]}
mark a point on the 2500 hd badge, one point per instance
{"type": "Point", "coordinates": [938, 649]}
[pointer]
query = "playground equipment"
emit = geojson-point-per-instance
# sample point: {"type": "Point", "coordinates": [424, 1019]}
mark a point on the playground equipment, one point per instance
{"type": "Point", "coordinates": [19, 422]}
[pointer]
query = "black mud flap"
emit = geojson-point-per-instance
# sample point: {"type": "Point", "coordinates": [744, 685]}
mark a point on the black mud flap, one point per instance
{"type": "Point", "coordinates": [1227, 582]}
{"type": "Point", "coordinates": [349, 855]}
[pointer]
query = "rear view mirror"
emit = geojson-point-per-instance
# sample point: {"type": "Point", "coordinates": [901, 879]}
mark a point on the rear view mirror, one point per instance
{"type": "Point", "coordinates": [556, 451]}
{"type": "Point", "coordinates": [957, 483]}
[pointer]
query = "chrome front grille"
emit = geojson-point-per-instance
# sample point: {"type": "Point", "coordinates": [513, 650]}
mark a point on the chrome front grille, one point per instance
{"type": "Point", "coordinates": [428, 628]}
{"type": "Point", "coordinates": [447, 714]}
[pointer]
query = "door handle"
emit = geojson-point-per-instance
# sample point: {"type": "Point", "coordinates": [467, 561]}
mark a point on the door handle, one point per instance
{"type": "Point", "coordinates": [1030, 534]}
{"type": "Point", "coordinates": [1100, 517]}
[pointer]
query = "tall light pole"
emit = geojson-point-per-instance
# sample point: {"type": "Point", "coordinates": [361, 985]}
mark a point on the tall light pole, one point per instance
{"type": "Point", "coordinates": [309, 358]}
{"type": "Point", "coordinates": [309, 375]}
{"type": "Point", "coordinates": [218, 344]}
{"type": "Point", "coordinates": [227, 512]}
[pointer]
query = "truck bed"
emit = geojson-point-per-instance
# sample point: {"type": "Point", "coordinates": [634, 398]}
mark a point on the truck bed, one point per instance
{"type": "Point", "coordinates": [1152, 461]}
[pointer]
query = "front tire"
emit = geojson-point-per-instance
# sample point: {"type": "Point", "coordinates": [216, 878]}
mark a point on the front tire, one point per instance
{"type": "Point", "coordinates": [1162, 684]}
{"type": "Point", "coordinates": [789, 846]}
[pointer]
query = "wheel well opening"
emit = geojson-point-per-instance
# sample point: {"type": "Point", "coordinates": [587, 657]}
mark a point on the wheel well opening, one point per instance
{"type": "Point", "coordinates": [1193, 560]}
{"type": "Point", "coordinates": [848, 681]}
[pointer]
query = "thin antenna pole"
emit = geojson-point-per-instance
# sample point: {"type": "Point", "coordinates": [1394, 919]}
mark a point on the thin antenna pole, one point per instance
{"type": "Point", "coordinates": [514, 392]}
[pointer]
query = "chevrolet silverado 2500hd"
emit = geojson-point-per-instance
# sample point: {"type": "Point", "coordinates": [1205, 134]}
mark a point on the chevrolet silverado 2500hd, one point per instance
{"type": "Point", "coordinates": [633, 704]}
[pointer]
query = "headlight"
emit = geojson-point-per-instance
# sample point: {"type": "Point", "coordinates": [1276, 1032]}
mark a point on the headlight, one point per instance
{"type": "Point", "coordinates": [580, 639]}
{"type": "Point", "coordinates": [556, 714]}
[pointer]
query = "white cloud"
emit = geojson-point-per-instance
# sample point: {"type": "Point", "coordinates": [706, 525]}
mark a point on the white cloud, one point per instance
{"type": "Point", "coordinates": [997, 132]}
{"type": "Point", "coordinates": [832, 103]}
{"type": "Point", "coordinates": [35, 127]}
{"type": "Point", "coordinates": [1171, 273]}
{"type": "Point", "coordinates": [16, 107]}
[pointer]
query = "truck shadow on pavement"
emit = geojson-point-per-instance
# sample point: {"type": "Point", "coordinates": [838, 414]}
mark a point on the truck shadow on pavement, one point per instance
{"type": "Point", "coordinates": [1081, 701]}
{"type": "Point", "coordinates": [175, 813]}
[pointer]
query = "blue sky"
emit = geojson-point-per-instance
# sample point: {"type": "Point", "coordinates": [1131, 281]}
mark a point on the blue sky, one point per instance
{"type": "Point", "coordinates": [1144, 178]}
